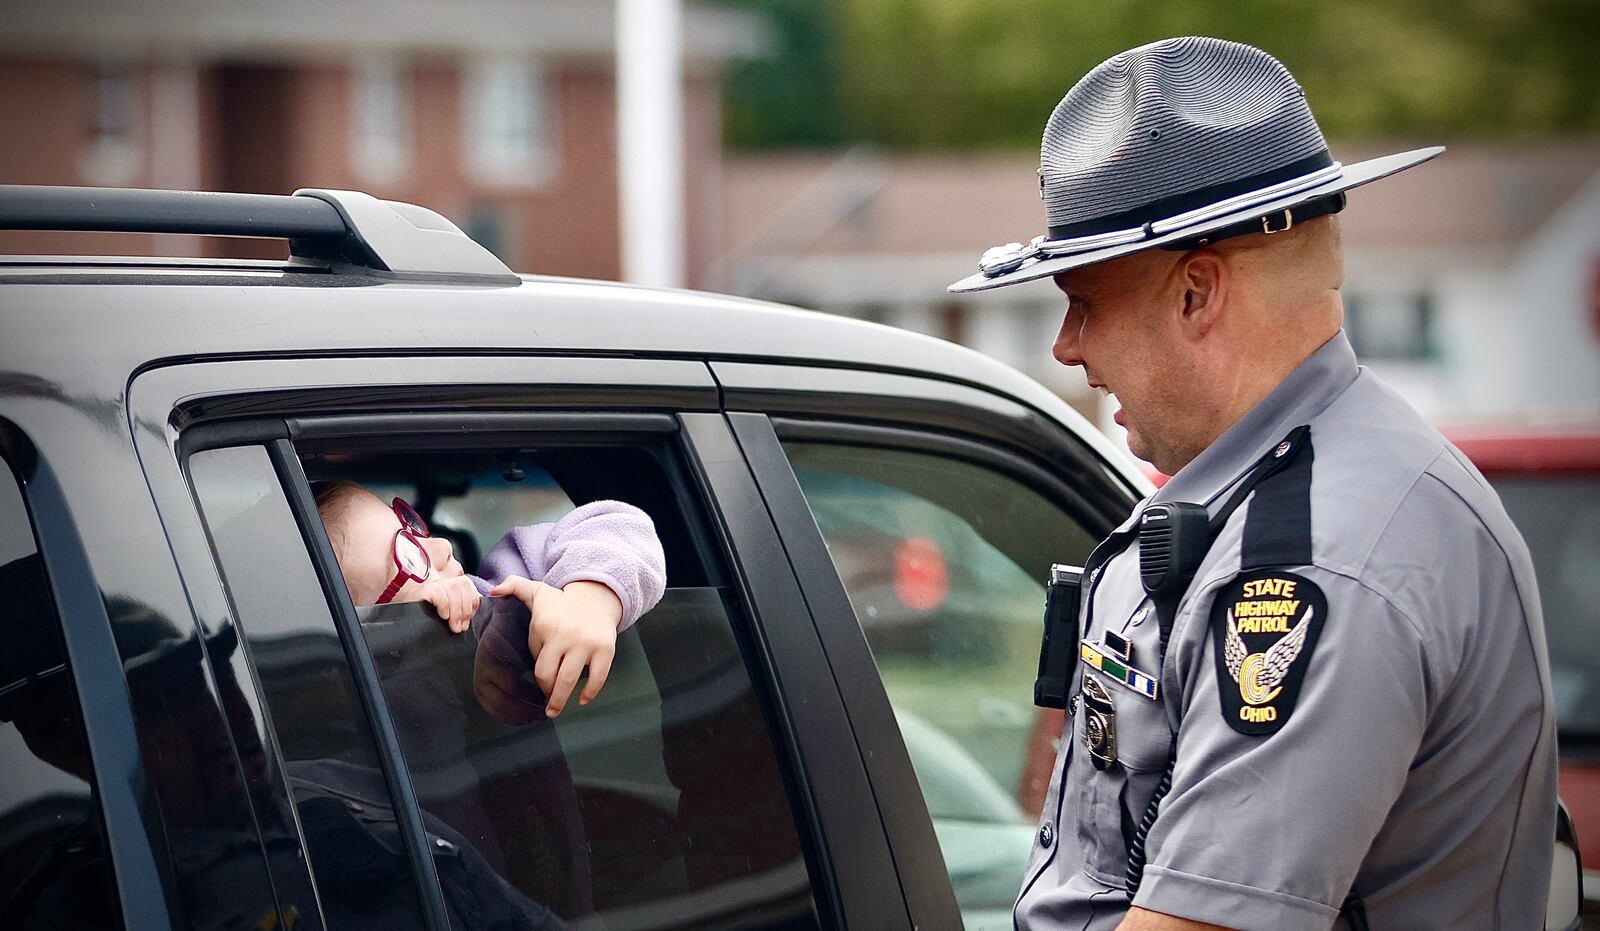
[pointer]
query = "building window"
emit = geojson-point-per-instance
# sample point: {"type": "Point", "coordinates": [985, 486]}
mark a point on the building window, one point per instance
{"type": "Point", "coordinates": [113, 154]}
{"type": "Point", "coordinates": [382, 122]}
{"type": "Point", "coordinates": [1391, 324]}
{"type": "Point", "coordinates": [509, 122]}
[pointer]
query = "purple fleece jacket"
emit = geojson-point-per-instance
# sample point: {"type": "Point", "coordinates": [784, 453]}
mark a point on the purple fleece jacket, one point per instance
{"type": "Point", "coordinates": [608, 542]}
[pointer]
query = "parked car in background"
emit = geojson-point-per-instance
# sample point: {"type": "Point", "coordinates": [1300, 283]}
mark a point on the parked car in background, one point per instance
{"type": "Point", "coordinates": [1549, 478]}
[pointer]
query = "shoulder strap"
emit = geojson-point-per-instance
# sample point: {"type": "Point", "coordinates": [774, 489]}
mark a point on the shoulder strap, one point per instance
{"type": "Point", "coordinates": [1281, 482]}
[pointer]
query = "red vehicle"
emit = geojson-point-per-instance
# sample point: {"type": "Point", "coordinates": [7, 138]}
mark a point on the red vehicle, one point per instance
{"type": "Point", "coordinates": [1549, 479]}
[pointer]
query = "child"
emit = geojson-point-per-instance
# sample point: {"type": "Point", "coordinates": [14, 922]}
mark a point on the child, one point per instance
{"type": "Point", "coordinates": [583, 579]}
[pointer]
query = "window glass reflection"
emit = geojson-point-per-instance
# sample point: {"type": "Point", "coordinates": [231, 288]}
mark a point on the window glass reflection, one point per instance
{"type": "Point", "coordinates": [53, 869]}
{"type": "Point", "coordinates": [343, 807]}
{"type": "Point", "coordinates": [944, 562]}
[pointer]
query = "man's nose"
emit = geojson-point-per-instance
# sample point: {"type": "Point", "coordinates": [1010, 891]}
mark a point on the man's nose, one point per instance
{"type": "Point", "coordinates": [1066, 349]}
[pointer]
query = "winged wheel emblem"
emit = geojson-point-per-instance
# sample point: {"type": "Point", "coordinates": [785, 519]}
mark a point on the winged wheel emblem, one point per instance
{"type": "Point", "coordinates": [1260, 675]}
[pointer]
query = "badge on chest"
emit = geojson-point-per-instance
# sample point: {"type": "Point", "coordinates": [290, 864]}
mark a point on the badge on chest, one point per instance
{"type": "Point", "coordinates": [1099, 724]}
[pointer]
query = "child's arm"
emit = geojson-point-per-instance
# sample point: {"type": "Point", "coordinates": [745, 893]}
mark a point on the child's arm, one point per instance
{"type": "Point", "coordinates": [571, 628]}
{"type": "Point", "coordinates": [608, 542]}
{"type": "Point", "coordinates": [597, 569]}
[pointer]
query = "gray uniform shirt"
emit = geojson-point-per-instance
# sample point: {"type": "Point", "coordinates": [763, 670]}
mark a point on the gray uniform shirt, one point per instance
{"type": "Point", "coordinates": [1417, 764]}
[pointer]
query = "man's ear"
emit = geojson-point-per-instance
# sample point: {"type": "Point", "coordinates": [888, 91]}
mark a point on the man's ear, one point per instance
{"type": "Point", "coordinates": [1204, 277]}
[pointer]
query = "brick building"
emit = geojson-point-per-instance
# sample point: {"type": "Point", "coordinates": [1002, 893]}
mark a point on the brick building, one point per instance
{"type": "Point", "coordinates": [500, 114]}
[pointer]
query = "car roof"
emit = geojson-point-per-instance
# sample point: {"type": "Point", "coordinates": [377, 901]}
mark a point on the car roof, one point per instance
{"type": "Point", "coordinates": [144, 314]}
{"type": "Point", "coordinates": [367, 276]}
{"type": "Point", "coordinates": [131, 318]}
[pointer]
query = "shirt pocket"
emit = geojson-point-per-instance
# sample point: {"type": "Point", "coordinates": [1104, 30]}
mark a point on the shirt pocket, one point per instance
{"type": "Point", "coordinates": [1113, 800]}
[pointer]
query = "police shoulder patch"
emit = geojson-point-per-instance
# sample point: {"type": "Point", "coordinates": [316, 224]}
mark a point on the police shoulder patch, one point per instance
{"type": "Point", "coordinates": [1264, 627]}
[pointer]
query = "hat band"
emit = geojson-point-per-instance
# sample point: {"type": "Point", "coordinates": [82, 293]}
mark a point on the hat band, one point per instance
{"type": "Point", "coordinates": [1002, 260]}
{"type": "Point", "coordinates": [1189, 201]}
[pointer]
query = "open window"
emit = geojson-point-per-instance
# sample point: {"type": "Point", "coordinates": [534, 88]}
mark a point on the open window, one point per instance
{"type": "Point", "coordinates": [663, 804]}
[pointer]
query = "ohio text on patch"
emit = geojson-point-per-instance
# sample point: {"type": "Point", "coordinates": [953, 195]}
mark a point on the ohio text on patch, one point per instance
{"type": "Point", "coordinates": [1264, 627]}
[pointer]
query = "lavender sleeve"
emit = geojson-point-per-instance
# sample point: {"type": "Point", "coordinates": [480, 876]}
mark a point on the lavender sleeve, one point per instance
{"type": "Point", "coordinates": [608, 542]}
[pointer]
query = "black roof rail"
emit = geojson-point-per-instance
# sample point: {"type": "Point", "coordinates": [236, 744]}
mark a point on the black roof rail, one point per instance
{"type": "Point", "coordinates": [345, 230]}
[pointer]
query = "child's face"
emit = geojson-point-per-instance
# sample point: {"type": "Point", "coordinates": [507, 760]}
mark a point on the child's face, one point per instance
{"type": "Point", "coordinates": [364, 540]}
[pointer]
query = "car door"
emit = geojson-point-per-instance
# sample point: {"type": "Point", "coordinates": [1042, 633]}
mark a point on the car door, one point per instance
{"type": "Point", "coordinates": [940, 508]}
{"type": "Point", "coordinates": [673, 806]}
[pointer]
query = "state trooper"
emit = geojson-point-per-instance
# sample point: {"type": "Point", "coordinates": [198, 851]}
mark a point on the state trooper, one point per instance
{"type": "Point", "coordinates": [1311, 688]}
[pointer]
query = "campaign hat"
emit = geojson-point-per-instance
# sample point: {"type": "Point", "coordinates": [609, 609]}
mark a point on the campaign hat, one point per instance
{"type": "Point", "coordinates": [1175, 145]}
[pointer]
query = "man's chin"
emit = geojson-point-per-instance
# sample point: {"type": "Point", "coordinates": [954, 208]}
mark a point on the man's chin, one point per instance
{"type": "Point", "coordinates": [1137, 447]}
{"type": "Point", "coordinates": [1151, 457]}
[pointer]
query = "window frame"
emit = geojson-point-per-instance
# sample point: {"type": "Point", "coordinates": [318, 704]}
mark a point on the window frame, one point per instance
{"type": "Point", "coordinates": [114, 153]}
{"type": "Point", "coordinates": [180, 407]}
{"type": "Point", "coordinates": [785, 658]}
{"type": "Point", "coordinates": [752, 589]}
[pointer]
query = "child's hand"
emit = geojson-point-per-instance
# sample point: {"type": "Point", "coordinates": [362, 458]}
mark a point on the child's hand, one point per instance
{"type": "Point", "coordinates": [455, 599]}
{"type": "Point", "coordinates": [571, 627]}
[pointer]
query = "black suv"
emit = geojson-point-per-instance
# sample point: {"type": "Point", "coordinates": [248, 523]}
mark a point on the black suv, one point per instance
{"type": "Point", "coordinates": [825, 723]}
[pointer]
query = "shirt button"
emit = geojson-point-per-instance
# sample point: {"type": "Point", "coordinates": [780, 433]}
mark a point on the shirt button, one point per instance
{"type": "Point", "coordinates": [1047, 834]}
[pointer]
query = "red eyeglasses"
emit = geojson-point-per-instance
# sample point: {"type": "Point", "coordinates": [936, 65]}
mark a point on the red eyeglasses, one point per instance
{"type": "Point", "coordinates": [411, 560]}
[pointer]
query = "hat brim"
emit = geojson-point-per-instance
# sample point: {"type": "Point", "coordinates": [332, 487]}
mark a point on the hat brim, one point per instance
{"type": "Point", "coordinates": [1350, 177]}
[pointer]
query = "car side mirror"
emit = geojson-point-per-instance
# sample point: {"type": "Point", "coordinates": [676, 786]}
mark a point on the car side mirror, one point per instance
{"type": "Point", "coordinates": [1564, 912]}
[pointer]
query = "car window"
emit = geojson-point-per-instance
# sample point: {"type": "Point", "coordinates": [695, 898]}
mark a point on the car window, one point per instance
{"type": "Point", "coordinates": [1560, 519]}
{"type": "Point", "coordinates": [944, 562]}
{"type": "Point", "coordinates": [344, 809]}
{"type": "Point", "coordinates": [53, 869]}
{"type": "Point", "coordinates": [660, 805]}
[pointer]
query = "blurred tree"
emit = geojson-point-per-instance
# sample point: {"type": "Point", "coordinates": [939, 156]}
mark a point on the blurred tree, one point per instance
{"type": "Point", "coordinates": [965, 74]}
{"type": "Point", "coordinates": [790, 97]}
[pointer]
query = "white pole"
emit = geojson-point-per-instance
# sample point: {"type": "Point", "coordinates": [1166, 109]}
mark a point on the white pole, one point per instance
{"type": "Point", "coordinates": [650, 141]}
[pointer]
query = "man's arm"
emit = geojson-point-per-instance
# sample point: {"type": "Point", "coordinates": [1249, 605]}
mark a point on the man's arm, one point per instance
{"type": "Point", "coordinates": [1142, 919]}
{"type": "Point", "coordinates": [1269, 829]}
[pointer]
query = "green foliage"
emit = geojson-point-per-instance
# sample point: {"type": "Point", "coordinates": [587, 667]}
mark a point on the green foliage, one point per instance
{"type": "Point", "coordinates": [959, 74]}
{"type": "Point", "coordinates": [790, 97]}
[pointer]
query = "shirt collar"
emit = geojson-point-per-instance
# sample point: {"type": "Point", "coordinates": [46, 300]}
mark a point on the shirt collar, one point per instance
{"type": "Point", "coordinates": [1307, 392]}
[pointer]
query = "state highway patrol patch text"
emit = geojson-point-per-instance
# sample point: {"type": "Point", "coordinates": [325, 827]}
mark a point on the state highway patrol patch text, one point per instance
{"type": "Point", "coordinates": [1264, 627]}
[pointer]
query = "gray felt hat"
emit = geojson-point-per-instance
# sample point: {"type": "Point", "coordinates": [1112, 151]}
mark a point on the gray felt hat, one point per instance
{"type": "Point", "coordinates": [1177, 144]}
